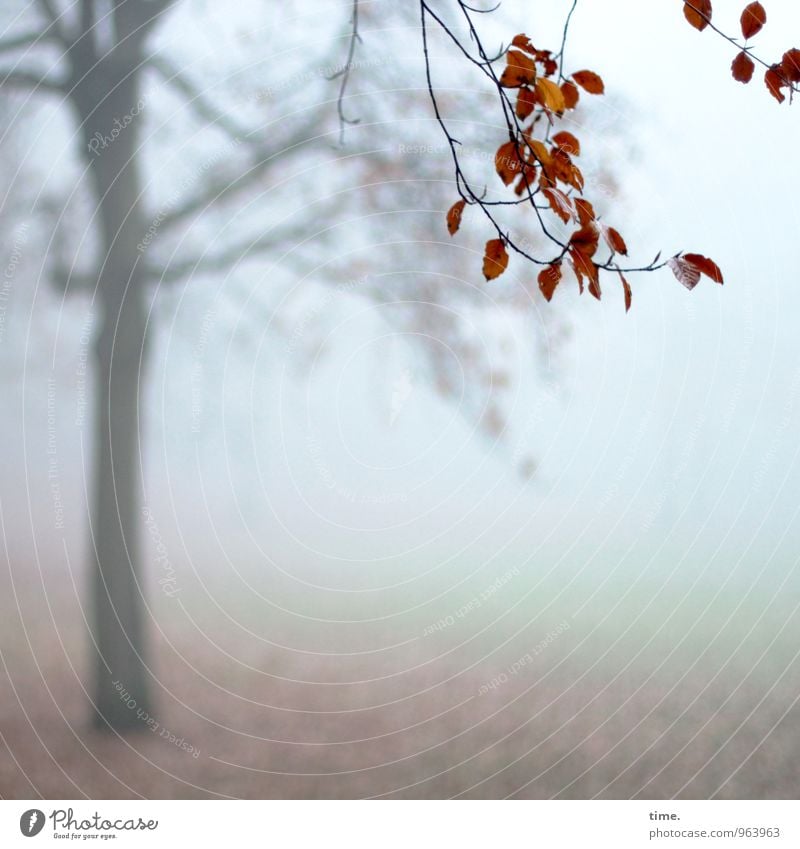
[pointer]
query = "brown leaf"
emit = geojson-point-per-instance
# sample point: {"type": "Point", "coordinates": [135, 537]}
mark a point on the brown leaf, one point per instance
{"type": "Point", "coordinates": [526, 180]}
{"type": "Point", "coordinates": [521, 70]}
{"type": "Point", "coordinates": [495, 260]}
{"type": "Point", "coordinates": [567, 142]}
{"type": "Point", "coordinates": [615, 241]}
{"type": "Point", "coordinates": [560, 204]}
{"type": "Point", "coordinates": [698, 13]}
{"type": "Point", "coordinates": [562, 165]}
{"type": "Point", "coordinates": [526, 103]}
{"type": "Point", "coordinates": [571, 94]}
{"type": "Point", "coordinates": [594, 287]}
{"type": "Point", "coordinates": [743, 68]}
{"type": "Point", "coordinates": [522, 42]}
{"type": "Point", "coordinates": [790, 65]}
{"type": "Point", "coordinates": [775, 82]}
{"type": "Point", "coordinates": [586, 240]}
{"type": "Point", "coordinates": [589, 81]}
{"type": "Point", "coordinates": [454, 216]}
{"type": "Point", "coordinates": [585, 211]}
{"type": "Point", "coordinates": [507, 162]}
{"type": "Point", "coordinates": [549, 278]}
{"type": "Point", "coordinates": [584, 267]}
{"type": "Point", "coordinates": [687, 274]}
{"type": "Point", "coordinates": [705, 266]}
{"type": "Point", "coordinates": [626, 287]}
{"type": "Point", "coordinates": [753, 19]}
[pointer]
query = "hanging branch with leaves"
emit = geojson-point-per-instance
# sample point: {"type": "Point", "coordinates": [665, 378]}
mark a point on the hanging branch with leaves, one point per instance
{"type": "Point", "coordinates": [538, 160]}
{"type": "Point", "coordinates": [778, 76]}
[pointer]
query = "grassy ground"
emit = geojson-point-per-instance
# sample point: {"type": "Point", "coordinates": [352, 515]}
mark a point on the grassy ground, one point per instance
{"type": "Point", "coordinates": [599, 709]}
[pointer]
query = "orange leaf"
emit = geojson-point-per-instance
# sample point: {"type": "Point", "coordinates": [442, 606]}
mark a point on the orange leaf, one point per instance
{"type": "Point", "coordinates": [698, 13]}
{"type": "Point", "coordinates": [549, 278]}
{"type": "Point", "coordinates": [589, 81]}
{"type": "Point", "coordinates": [775, 82]}
{"type": "Point", "coordinates": [628, 293]}
{"type": "Point", "coordinates": [521, 70]}
{"type": "Point", "coordinates": [571, 94]}
{"type": "Point", "coordinates": [743, 68]}
{"type": "Point", "coordinates": [567, 142]}
{"type": "Point", "coordinates": [551, 95]}
{"type": "Point", "coordinates": [753, 19]}
{"type": "Point", "coordinates": [615, 241]}
{"type": "Point", "coordinates": [526, 103]}
{"type": "Point", "coordinates": [507, 162]}
{"type": "Point", "coordinates": [495, 260]}
{"type": "Point", "coordinates": [705, 266]}
{"type": "Point", "coordinates": [454, 216]}
{"type": "Point", "coordinates": [541, 153]}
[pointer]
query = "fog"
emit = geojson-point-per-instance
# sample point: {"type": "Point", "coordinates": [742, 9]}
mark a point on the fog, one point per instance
{"type": "Point", "coordinates": [326, 529]}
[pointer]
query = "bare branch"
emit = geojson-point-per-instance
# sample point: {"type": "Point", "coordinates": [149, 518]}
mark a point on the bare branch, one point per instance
{"type": "Point", "coordinates": [345, 74]}
{"type": "Point", "coordinates": [55, 22]}
{"type": "Point", "coordinates": [17, 78]}
{"type": "Point", "coordinates": [219, 191]}
{"type": "Point", "coordinates": [25, 40]}
{"type": "Point", "coordinates": [198, 100]}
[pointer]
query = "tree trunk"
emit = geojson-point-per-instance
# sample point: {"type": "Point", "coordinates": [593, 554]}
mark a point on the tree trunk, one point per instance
{"type": "Point", "coordinates": [105, 97]}
{"type": "Point", "coordinates": [121, 686]}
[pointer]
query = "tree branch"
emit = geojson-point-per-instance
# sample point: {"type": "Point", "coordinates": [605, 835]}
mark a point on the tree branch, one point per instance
{"type": "Point", "coordinates": [16, 78]}
{"type": "Point", "coordinates": [197, 99]}
{"type": "Point", "coordinates": [25, 40]}
{"type": "Point", "coordinates": [221, 191]}
{"type": "Point", "coordinates": [345, 74]}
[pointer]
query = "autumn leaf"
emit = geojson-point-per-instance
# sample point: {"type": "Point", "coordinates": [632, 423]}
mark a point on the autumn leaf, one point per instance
{"type": "Point", "coordinates": [522, 42]}
{"type": "Point", "coordinates": [495, 260]}
{"type": "Point", "coordinates": [551, 95]}
{"type": "Point", "coordinates": [753, 19]}
{"type": "Point", "coordinates": [687, 274]}
{"type": "Point", "coordinates": [521, 70]}
{"type": "Point", "coordinates": [743, 68]}
{"type": "Point", "coordinates": [541, 153]}
{"type": "Point", "coordinates": [507, 162]}
{"type": "Point", "coordinates": [526, 103]}
{"type": "Point", "coordinates": [585, 211]}
{"type": "Point", "coordinates": [626, 287]}
{"type": "Point", "coordinates": [705, 266]}
{"type": "Point", "coordinates": [560, 204]}
{"type": "Point", "coordinates": [549, 278]}
{"type": "Point", "coordinates": [698, 13]}
{"type": "Point", "coordinates": [615, 241]}
{"type": "Point", "coordinates": [583, 267]}
{"type": "Point", "coordinates": [790, 65]}
{"type": "Point", "coordinates": [567, 142]}
{"type": "Point", "coordinates": [586, 240]}
{"type": "Point", "coordinates": [589, 81]}
{"type": "Point", "coordinates": [775, 82]}
{"type": "Point", "coordinates": [571, 94]}
{"type": "Point", "coordinates": [454, 216]}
